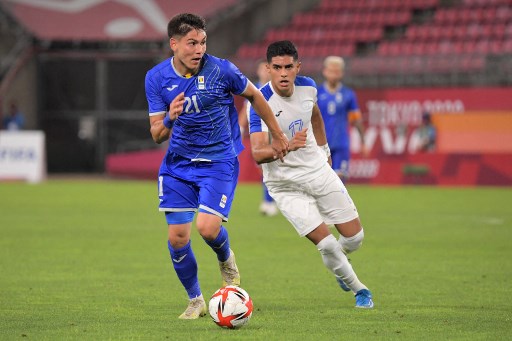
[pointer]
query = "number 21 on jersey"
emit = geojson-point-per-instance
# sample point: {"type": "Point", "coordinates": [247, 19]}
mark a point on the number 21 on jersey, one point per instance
{"type": "Point", "coordinates": [189, 102]}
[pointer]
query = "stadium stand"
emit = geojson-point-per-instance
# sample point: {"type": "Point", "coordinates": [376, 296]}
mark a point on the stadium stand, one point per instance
{"type": "Point", "coordinates": [385, 42]}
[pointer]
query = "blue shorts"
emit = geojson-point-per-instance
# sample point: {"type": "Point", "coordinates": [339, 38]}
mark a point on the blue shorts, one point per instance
{"type": "Point", "coordinates": [185, 185]}
{"type": "Point", "coordinates": [340, 159]}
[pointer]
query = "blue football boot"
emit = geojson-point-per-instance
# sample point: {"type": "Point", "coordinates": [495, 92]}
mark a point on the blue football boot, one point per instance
{"type": "Point", "coordinates": [364, 299]}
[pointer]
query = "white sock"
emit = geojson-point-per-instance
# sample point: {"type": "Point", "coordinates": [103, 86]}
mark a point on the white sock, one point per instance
{"type": "Point", "coordinates": [336, 261]}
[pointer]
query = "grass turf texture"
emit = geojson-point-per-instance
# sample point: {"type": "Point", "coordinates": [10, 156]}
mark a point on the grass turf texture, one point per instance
{"type": "Point", "coordinates": [89, 260]}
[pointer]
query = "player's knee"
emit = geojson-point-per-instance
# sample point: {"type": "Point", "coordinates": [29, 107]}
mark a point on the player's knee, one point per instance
{"type": "Point", "coordinates": [208, 231]}
{"type": "Point", "coordinates": [351, 244]}
{"type": "Point", "coordinates": [328, 245]}
{"type": "Point", "coordinates": [332, 256]}
{"type": "Point", "coordinates": [208, 225]}
{"type": "Point", "coordinates": [177, 242]}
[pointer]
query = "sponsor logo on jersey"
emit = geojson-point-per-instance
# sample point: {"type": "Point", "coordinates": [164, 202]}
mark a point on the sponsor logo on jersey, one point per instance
{"type": "Point", "coordinates": [172, 87]}
{"type": "Point", "coordinates": [200, 83]}
{"type": "Point", "coordinates": [223, 201]}
{"type": "Point", "coordinates": [307, 105]}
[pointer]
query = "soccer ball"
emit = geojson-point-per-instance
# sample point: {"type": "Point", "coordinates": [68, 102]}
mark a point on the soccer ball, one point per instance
{"type": "Point", "coordinates": [230, 307]}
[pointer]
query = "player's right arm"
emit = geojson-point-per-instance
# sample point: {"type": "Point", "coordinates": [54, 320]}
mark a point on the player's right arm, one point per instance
{"type": "Point", "coordinates": [159, 131]}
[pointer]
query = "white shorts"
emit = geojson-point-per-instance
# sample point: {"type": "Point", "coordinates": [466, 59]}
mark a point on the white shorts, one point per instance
{"type": "Point", "coordinates": [322, 199]}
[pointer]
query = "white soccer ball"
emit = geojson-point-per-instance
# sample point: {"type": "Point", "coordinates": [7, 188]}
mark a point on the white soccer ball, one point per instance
{"type": "Point", "coordinates": [230, 307]}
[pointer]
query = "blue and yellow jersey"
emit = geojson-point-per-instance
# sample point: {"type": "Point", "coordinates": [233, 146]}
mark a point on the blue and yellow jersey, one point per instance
{"type": "Point", "coordinates": [208, 126]}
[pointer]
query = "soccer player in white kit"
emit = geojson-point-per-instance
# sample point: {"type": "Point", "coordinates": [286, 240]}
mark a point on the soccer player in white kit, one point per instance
{"type": "Point", "coordinates": [306, 189]}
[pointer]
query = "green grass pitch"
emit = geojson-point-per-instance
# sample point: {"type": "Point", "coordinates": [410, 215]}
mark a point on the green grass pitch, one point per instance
{"type": "Point", "coordinates": [88, 260]}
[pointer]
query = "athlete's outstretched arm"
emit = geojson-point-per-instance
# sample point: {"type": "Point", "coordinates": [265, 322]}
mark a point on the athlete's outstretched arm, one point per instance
{"type": "Point", "coordinates": [279, 140]}
{"type": "Point", "coordinates": [159, 131]}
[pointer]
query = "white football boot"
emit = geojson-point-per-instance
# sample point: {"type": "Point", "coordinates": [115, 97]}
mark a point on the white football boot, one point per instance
{"type": "Point", "coordinates": [229, 271]}
{"type": "Point", "coordinates": [196, 308]}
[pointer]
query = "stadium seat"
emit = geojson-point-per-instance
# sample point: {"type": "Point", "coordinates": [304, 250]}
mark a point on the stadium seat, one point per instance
{"type": "Point", "coordinates": [498, 31]}
{"type": "Point", "coordinates": [432, 44]}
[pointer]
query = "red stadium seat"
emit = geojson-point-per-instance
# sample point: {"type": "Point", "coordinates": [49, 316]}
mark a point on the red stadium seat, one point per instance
{"type": "Point", "coordinates": [504, 14]}
{"type": "Point", "coordinates": [472, 63]}
{"type": "Point", "coordinates": [446, 47]}
{"type": "Point", "coordinates": [498, 31]}
{"type": "Point", "coordinates": [483, 47]}
{"type": "Point", "coordinates": [461, 28]}
{"type": "Point", "coordinates": [507, 45]}
{"type": "Point", "coordinates": [496, 46]}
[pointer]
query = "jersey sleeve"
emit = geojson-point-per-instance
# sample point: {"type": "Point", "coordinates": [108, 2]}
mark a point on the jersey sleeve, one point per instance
{"type": "Point", "coordinates": [236, 79]}
{"type": "Point", "coordinates": [353, 106]}
{"type": "Point", "coordinates": [256, 124]}
{"type": "Point", "coordinates": [156, 104]}
{"type": "Point", "coordinates": [308, 82]}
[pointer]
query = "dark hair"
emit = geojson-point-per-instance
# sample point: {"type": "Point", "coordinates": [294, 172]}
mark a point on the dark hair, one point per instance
{"type": "Point", "coordinates": [282, 48]}
{"type": "Point", "coordinates": [181, 24]}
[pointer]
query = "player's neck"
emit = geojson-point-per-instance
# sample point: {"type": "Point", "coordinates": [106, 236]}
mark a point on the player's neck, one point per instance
{"type": "Point", "coordinates": [333, 87]}
{"type": "Point", "coordinates": [183, 70]}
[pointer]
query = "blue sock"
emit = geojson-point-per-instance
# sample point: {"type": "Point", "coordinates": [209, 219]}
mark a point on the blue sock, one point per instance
{"type": "Point", "coordinates": [185, 265]}
{"type": "Point", "coordinates": [220, 244]}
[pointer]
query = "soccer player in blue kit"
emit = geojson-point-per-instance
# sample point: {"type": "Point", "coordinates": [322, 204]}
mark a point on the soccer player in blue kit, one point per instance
{"type": "Point", "coordinates": [338, 104]}
{"type": "Point", "coordinates": [190, 97]}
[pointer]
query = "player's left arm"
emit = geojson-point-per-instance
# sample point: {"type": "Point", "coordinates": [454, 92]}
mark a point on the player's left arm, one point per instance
{"type": "Point", "coordinates": [263, 152]}
{"type": "Point", "coordinates": [319, 131]}
{"type": "Point", "coordinates": [356, 119]}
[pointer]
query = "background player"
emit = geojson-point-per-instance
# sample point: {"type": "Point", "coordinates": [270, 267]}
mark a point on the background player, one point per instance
{"type": "Point", "coordinates": [307, 190]}
{"type": "Point", "coordinates": [191, 103]}
{"type": "Point", "coordinates": [339, 108]}
{"type": "Point", "coordinates": [426, 133]}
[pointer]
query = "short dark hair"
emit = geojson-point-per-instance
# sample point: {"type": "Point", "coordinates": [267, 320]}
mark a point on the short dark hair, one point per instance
{"type": "Point", "coordinates": [282, 48]}
{"type": "Point", "coordinates": [181, 24]}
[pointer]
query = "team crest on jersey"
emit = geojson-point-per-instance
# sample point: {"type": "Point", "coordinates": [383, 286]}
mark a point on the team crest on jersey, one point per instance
{"type": "Point", "coordinates": [339, 97]}
{"type": "Point", "coordinates": [307, 105]}
{"type": "Point", "coordinates": [223, 201]}
{"type": "Point", "coordinates": [200, 82]}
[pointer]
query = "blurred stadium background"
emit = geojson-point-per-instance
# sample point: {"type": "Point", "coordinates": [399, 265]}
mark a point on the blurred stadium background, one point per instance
{"type": "Point", "coordinates": [76, 69]}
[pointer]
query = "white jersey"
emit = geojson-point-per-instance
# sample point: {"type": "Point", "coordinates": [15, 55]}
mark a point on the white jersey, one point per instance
{"type": "Point", "coordinates": [293, 114]}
